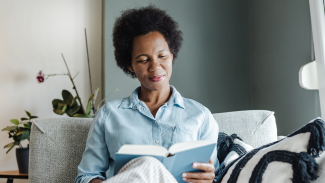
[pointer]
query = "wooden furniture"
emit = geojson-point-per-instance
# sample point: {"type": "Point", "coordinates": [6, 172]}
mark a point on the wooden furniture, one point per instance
{"type": "Point", "coordinates": [11, 175]}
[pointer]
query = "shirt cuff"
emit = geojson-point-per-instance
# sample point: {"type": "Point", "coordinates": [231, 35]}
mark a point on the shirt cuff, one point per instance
{"type": "Point", "coordinates": [89, 178]}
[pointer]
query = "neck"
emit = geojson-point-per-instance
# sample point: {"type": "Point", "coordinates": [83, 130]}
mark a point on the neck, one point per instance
{"type": "Point", "coordinates": [154, 97]}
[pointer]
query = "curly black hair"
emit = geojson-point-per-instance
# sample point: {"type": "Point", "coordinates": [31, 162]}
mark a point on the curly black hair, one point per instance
{"type": "Point", "coordinates": [141, 21]}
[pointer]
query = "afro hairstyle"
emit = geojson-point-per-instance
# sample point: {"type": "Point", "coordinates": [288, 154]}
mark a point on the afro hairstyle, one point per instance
{"type": "Point", "coordinates": [141, 21]}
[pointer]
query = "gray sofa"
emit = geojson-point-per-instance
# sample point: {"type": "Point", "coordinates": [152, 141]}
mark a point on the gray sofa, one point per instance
{"type": "Point", "coordinates": [57, 144]}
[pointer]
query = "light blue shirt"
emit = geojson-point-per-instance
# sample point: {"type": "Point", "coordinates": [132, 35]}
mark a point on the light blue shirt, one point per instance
{"type": "Point", "coordinates": [129, 121]}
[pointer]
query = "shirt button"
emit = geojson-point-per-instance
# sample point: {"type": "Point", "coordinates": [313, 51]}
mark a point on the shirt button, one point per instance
{"type": "Point", "coordinates": [157, 141]}
{"type": "Point", "coordinates": [155, 122]}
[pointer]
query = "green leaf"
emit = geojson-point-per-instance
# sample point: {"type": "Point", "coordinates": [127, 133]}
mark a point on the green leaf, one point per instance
{"type": "Point", "coordinates": [33, 117]}
{"type": "Point", "coordinates": [56, 102]}
{"type": "Point", "coordinates": [67, 97]}
{"type": "Point", "coordinates": [80, 111]}
{"type": "Point", "coordinates": [25, 135]}
{"type": "Point", "coordinates": [57, 111]}
{"type": "Point", "coordinates": [88, 108]}
{"type": "Point", "coordinates": [22, 119]}
{"type": "Point", "coordinates": [9, 128]}
{"type": "Point", "coordinates": [14, 121]}
{"type": "Point", "coordinates": [61, 109]}
{"type": "Point", "coordinates": [95, 95]}
{"type": "Point", "coordinates": [64, 109]}
{"type": "Point", "coordinates": [19, 133]}
{"type": "Point", "coordinates": [74, 102]}
{"type": "Point", "coordinates": [28, 125]}
{"type": "Point", "coordinates": [22, 130]}
{"type": "Point", "coordinates": [28, 114]}
{"type": "Point", "coordinates": [80, 115]}
{"type": "Point", "coordinates": [11, 144]}
{"type": "Point", "coordinates": [70, 112]}
{"type": "Point", "coordinates": [10, 149]}
{"type": "Point", "coordinates": [89, 105]}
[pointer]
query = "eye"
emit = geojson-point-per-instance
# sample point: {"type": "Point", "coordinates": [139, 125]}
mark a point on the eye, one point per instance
{"type": "Point", "coordinates": [163, 56]}
{"type": "Point", "coordinates": [143, 61]}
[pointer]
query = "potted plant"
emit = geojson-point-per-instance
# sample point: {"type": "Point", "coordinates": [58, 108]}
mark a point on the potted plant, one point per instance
{"type": "Point", "coordinates": [70, 105]}
{"type": "Point", "coordinates": [20, 133]}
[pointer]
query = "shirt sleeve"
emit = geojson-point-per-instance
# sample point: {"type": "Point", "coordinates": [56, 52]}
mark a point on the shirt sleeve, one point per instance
{"type": "Point", "coordinates": [209, 131]}
{"type": "Point", "coordinates": [95, 159]}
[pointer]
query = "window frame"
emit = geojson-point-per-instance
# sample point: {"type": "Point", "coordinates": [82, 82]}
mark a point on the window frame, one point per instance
{"type": "Point", "coordinates": [318, 29]}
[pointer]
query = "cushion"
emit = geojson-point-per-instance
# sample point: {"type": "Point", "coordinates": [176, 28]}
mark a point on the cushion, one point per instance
{"type": "Point", "coordinates": [290, 159]}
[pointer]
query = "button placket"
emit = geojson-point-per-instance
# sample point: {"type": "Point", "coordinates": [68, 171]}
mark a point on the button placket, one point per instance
{"type": "Point", "coordinates": [156, 134]}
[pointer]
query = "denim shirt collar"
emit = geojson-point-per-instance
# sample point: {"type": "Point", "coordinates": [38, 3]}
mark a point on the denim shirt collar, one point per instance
{"type": "Point", "coordinates": [133, 100]}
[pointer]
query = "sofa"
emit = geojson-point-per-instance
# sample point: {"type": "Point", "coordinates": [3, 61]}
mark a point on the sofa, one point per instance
{"type": "Point", "coordinates": [57, 144]}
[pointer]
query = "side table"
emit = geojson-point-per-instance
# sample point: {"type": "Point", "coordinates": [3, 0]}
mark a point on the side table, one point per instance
{"type": "Point", "coordinates": [11, 175]}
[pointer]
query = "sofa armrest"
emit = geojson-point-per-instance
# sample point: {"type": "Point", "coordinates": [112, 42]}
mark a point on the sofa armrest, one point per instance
{"type": "Point", "coordinates": [255, 127]}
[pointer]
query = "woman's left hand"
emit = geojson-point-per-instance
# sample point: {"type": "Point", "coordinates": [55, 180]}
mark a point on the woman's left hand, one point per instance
{"type": "Point", "coordinates": [200, 177]}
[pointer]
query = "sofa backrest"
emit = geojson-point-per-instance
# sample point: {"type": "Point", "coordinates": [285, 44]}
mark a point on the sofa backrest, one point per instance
{"type": "Point", "coordinates": [56, 147]}
{"type": "Point", "coordinates": [57, 144]}
{"type": "Point", "coordinates": [255, 127]}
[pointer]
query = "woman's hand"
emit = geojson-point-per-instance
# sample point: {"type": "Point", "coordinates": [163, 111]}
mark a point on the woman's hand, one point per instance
{"type": "Point", "coordinates": [96, 181]}
{"type": "Point", "coordinates": [201, 177]}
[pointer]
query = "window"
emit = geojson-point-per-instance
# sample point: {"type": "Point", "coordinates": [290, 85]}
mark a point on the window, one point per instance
{"type": "Point", "coordinates": [318, 30]}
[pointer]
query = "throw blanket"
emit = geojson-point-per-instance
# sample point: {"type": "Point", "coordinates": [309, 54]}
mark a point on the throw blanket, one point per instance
{"type": "Point", "coordinates": [144, 169]}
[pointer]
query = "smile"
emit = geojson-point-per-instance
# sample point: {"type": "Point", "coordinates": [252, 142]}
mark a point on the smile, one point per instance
{"type": "Point", "coordinates": [156, 78]}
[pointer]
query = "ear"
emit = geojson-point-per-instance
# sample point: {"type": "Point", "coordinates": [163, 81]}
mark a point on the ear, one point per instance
{"type": "Point", "coordinates": [130, 68]}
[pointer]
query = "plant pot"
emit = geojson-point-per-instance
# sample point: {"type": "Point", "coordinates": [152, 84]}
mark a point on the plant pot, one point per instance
{"type": "Point", "coordinates": [22, 155]}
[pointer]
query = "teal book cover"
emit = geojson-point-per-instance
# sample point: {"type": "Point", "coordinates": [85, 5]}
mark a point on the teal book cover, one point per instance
{"type": "Point", "coordinates": [177, 164]}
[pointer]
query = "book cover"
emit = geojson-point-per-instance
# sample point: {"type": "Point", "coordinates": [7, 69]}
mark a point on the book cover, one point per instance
{"type": "Point", "coordinates": [177, 164]}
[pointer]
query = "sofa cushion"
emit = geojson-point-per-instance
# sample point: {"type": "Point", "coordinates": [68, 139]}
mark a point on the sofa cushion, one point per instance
{"type": "Point", "coordinates": [288, 160]}
{"type": "Point", "coordinates": [255, 127]}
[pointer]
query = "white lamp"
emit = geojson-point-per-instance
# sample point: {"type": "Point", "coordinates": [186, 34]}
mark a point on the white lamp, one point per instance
{"type": "Point", "coordinates": [308, 76]}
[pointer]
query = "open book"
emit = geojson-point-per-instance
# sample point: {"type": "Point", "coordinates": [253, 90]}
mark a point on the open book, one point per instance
{"type": "Point", "coordinates": [177, 159]}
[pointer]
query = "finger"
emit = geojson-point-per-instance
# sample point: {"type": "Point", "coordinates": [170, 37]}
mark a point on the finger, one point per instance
{"type": "Point", "coordinates": [204, 166]}
{"type": "Point", "coordinates": [198, 175]}
{"type": "Point", "coordinates": [198, 181]}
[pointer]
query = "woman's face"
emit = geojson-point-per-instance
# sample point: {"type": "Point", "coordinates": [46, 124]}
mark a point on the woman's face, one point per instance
{"type": "Point", "coordinates": [152, 61]}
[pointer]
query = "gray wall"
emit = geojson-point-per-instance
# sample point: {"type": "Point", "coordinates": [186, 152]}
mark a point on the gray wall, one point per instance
{"type": "Point", "coordinates": [237, 55]}
{"type": "Point", "coordinates": [280, 43]}
{"type": "Point", "coordinates": [212, 67]}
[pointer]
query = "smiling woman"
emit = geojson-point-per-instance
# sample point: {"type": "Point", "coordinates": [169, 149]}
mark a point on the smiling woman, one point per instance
{"type": "Point", "coordinates": [152, 65]}
{"type": "Point", "coordinates": [146, 42]}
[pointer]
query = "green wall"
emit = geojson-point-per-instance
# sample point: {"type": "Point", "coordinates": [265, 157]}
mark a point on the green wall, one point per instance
{"type": "Point", "coordinates": [237, 55]}
{"type": "Point", "coordinates": [212, 64]}
{"type": "Point", "coordinates": [280, 43]}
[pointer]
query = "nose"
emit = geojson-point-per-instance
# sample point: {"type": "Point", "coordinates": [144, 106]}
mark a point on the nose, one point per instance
{"type": "Point", "coordinates": [154, 65]}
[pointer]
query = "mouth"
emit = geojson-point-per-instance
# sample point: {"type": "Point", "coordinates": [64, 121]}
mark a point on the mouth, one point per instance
{"type": "Point", "coordinates": [156, 78]}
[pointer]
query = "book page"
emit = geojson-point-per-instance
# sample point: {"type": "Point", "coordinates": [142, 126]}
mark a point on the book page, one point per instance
{"type": "Point", "coordinates": [143, 150]}
{"type": "Point", "coordinates": [183, 146]}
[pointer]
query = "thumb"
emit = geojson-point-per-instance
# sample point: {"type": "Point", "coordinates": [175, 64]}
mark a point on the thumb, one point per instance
{"type": "Point", "coordinates": [211, 161]}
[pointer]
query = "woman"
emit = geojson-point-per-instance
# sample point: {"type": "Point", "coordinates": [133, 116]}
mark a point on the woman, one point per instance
{"type": "Point", "coordinates": [146, 42]}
